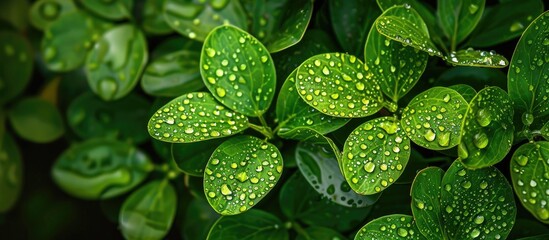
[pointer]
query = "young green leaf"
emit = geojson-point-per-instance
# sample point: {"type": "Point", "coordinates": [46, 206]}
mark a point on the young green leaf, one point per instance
{"type": "Point", "coordinates": [487, 129]}
{"type": "Point", "coordinates": [476, 203]}
{"type": "Point", "coordinates": [320, 233]}
{"type": "Point", "coordinates": [36, 120]}
{"type": "Point", "coordinates": [11, 171]}
{"type": "Point", "coordinates": [476, 58]}
{"type": "Point", "coordinates": [458, 18]}
{"type": "Point", "coordinates": [195, 19]}
{"type": "Point", "coordinates": [195, 117]}
{"type": "Point", "coordinates": [45, 12]}
{"type": "Point", "coordinates": [397, 67]}
{"type": "Point", "coordinates": [426, 202]}
{"type": "Point", "coordinates": [320, 167]}
{"type": "Point", "coordinates": [405, 25]}
{"type": "Point", "coordinates": [116, 61]}
{"type": "Point", "coordinates": [466, 91]}
{"type": "Point", "coordinates": [198, 220]}
{"type": "Point", "coordinates": [149, 212]}
{"type": "Point", "coordinates": [374, 155]}
{"type": "Point", "coordinates": [240, 172]}
{"type": "Point", "coordinates": [338, 85]}
{"type": "Point", "coordinates": [153, 18]}
{"type": "Point", "coordinates": [238, 70]}
{"type": "Point", "coordinates": [112, 9]}
{"type": "Point", "coordinates": [397, 226]}
{"type": "Point", "coordinates": [529, 175]}
{"type": "Point", "coordinates": [100, 169]}
{"type": "Point", "coordinates": [191, 158]}
{"type": "Point", "coordinates": [432, 119]}
{"type": "Point", "coordinates": [16, 67]}
{"type": "Point", "coordinates": [254, 224]}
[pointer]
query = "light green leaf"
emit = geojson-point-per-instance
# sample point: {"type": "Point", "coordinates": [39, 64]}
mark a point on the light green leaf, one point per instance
{"type": "Point", "coordinates": [374, 155]}
{"type": "Point", "coordinates": [426, 202]}
{"type": "Point", "coordinates": [476, 58]}
{"type": "Point", "coordinates": [195, 19]}
{"type": "Point", "coordinates": [16, 67]}
{"type": "Point", "coordinates": [115, 63]}
{"type": "Point", "coordinates": [11, 171]}
{"type": "Point", "coordinates": [198, 220]}
{"type": "Point", "coordinates": [195, 117]}
{"type": "Point", "coordinates": [191, 158]}
{"type": "Point", "coordinates": [458, 18]}
{"type": "Point", "coordinates": [432, 119]}
{"type": "Point", "coordinates": [238, 70]}
{"type": "Point", "coordinates": [466, 91]}
{"type": "Point", "coordinates": [476, 203]}
{"type": "Point", "coordinates": [100, 169]}
{"type": "Point", "coordinates": [254, 224]}
{"type": "Point", "coordinates": [36, 120]}
{"type": "Point", "coordinates": [111, 9]}
{"type": "Point", "coordinates": [338, 85]}
{"type": "Point", "coordinates": [320, 233]}
{"type": "Point", "coordinates": [529, 174]}
{"type": "Point", "coordinates": [153, 18]}
{"type": "Point", "coordinates": [487, 129]}
{"type": "Point", "coordinates": [240, 172]}
{"type": "Point", "coordinates": [45, 12]}
{"type": "Point", "coordinates": [397, 226]}
{"type": "Point", "coordinates": [149, 212]}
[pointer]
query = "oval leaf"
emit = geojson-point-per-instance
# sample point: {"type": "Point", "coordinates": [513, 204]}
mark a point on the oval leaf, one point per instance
{"type": "Point", "coordinates": [466, 91]}
{"type": "Point", "coordinates": [191, 158]}
{"type": "Point", "coordinates": [198, 227]}
{"type": "Point", "coordinates": [11, 171]}
{"type": "Point", "coordinates": [36, 120]}
{"type": "Point", "coordinates": [374, 155]}
{"type": "Point", "coordinates": [240, 172]}
{"type": "Point", "coordinates": [396, 226]}
{"type": "Point", "coordinates": [426, 202]}
{"type": "Point", "coordinates": [254, 224]}
{"type": "Point", "coordinates": [111, 9]}
{"type": "Point", "coordinates": [100, 169]}
{"type": "Point", "coordinates": [476, 58]}
{"type": "Point", "coordinates": [16, 67]}
{"type": "Point", "coordinates": [432, 119]}
{"type": "Point", "coordinates": [153, 18]}
{"type": "Point", "coordinates": [195, 117]}
{"type": "Point", "coordinates": [45, 12]}
{"type": "Point", "coordinates": [238, 70]}
{"type": "Point", "coordinates": [487, 129]}
{"type": "Point", "coordinates": [458, 18]}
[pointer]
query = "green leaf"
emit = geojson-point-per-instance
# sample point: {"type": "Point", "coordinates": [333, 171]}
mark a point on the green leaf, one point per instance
{"type": "Point", "coordinates": [398, 67]}
{"type": "Point", "coordinates": [320, 167]}
{"type": "Point", "coordinates": [476, 58]}
{"type": "Point", "coordinates": [525, 227]}
{"type": "Point", "coordinates": [338, 85]}
{"type": "Point", "coordinates": [405, 25]}
{"type": "Point", "coordinates": [487, 129]}
{"type": "Point", "coordinates": [198, 219]}
{"type": "Point", "coordinates": [458, 18]}
{"type": "Point", "coordinates": [11, 171]}
{"type": "Point", "coordinates": [100, 169]}
{"type": "Point", "coordinates": [238, 70]}
{"type": "Point", "coordinates": [45, 12]}
{"type": "Point", "coordinates": [477, 203]}
{"type": "Point", "coordinates": [153, 18]}
{"type": "Point", "coordinates": [191, 158]}
{"type": "Point", "coordinates": [528, 86]}
{"type": "Point", "coordinates": [529, 174]}
{"type": "Point", "coordinates": [545, 131]}
{"type": "Point", "coordinates": [426, 202]}
{"type": "Point", "coordinates": [90, 117]}
{"type": "Point", "coordinates": [397, 226]}
{"type": "Point", "coordinates": [320, 233]}
{"type": "Point", "coordinates": [111, 9]}
{"type": "Point", "coordinates": [432, 119]}
{"type": "Point", "coordinates": [254, 224]}
{"type": "Point", "coordinates": [374, 155]}
{"type": "Point", "coordinates": [115, 63]}
{"type": "Point", "coordinates": [11, 12]}
{"type": "Point", "coordinates": [195, 19]}
{"type": "Point", "coordinates": [466, 91]}
{"type": "Point", "coordinates": [64, 50]}
{"type": "Point", "coordinates": [240, 172]}
{"type": "Point", "coordinates": [539, 237]}
{"type": "Point", "coordinates": [16, 67]}
{"type": "Point", "coordinates": [195, 117]}
{"type": "Point", "coordinates": [149, 212]}
{"type": "Point", "coordinates": [36, 120]}
{"type": "Point", "coordinates": [504, 21]}
{"type": "Point", "coordinates": [478, 78]}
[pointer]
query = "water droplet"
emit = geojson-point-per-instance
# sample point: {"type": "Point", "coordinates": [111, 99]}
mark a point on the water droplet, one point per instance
{"type": "Point", "coordinates": [543, 214]}
{"type": "Point", "coordinates": [429, 135]}
{"type": "Point", "coordinates": [516, 26]}
{"type": "Point", "coordinates": [225, 190]}
{"type": "Point", "coordinates": [211, 194]}
{"type": "Point", "coordinates": [475, 233]}
{"type": "Point", "coordinates": [466, 184]}
{"type": "Point", "coordinates": [107, 87]}
{"type": "Point", "coordinates": [484, 117]}
{"type": "Point", "coordinates": [325, 70]}
{"type": "Point", "coordinates": [463, 153]}
{"type": "Point", "coordinates": [359, 86]}
{"type": "Point", "coordinates": [446, 98]}
{"type": "Point", "coordinates": [462, 172]}
{"type": "Point", "coordinates": [331, 189]}
{"type": "Point", "coordinates": [210, 52]}
{"type": "Point", "coordinates": [420, 204]}
{"type": "Point", "coordinates": [533, 183]}
{"type": "Point", "coordinates": [444, 139]}
{"type": "Point", "coordinates": [449, 209]}
{"type": "Point", "coordinates": [522, 160]}
{"type": "Point", "coordinates": [479, 219]}
{"type": "Point", "coordinates": [369, 167]}
{"type": "Point", "coordinates": [402, 232]}
{"type": "Point", "coordinates": [480, 140]}
{"type": "Point", "coordinates": [220, 92]}
{"type": "Point", "coordinates": [473, 8]}
{"type": "Point", "coordinates": [527, 118]}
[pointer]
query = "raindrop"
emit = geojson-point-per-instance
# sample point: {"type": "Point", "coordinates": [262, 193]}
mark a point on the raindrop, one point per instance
{"type": "Point", "coordinates": [402, 232]}
{"type": "Point", "coordinates": [516, 26]}
{"type": "Point", "coordinates": [473, 8]}
{"type": "Point", "coordinates": [479, 219]}
{"type": "Point", "coordinates": [522, 160]}
{"type": "Point", "coordinates": [484, 117]}
{"type": "Point", "coordinates": [225, 190]}
{"type": "Point", "coordinates": [369, 167]}
{"type": "Point", "coordinates": [475, 233]}
{"type": "Point", "coordinates": [480, 140]}
{"type": "Point", "coordinates": [429, 135]}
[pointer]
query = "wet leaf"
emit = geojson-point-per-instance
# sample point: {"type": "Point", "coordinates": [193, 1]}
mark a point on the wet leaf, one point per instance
{"type": "Point", "coordinates": [45, 12]}
{"type": "Point", "coordinates": [405, 25]}
{"type": "Point", "coordinates": [195, 117]}
{"type": "Point", "coordinates": [476, 58]}
{"type": "Point", "coordinates": [374, 155]}
{"type": "Point", "coordinates": [337, 84]}
{"type": "Point", "coordinates": [426, 202]}
{"type": "Point", "coordinates": [476, 203]}
{"type": "Point", "coordinates": [320, 233]}
{"type": "Point", "coordinates": [115, 63]}
{"type": "Point", "coordinates": [195, 19]}
{"type": "Point", "coordinates": [306, 134]}
{"type": "Point", "coordinates": [433, 118]}
{"type": "Point", "coordinates": [191, 158]}
{"type": "Point", "coordinates": [11, 171]}
{"type": "Point", "coordinates": [111, 9]}
{"type": "Point", "coordinates": [17, 64]}
{"type": "Point", "coordinates": [545, 131]}
{"type": "Point", "coordinates": [530, 178]}
{"type": "Point", "coordinates": [466, 91]}
{"type": "Point", "coordinates": [476, 77]}
{"type": "Point", "coordinates": [198, 219]}
{"type": "Point", "coordinates": [254, 224]}
{"type": "Point", "coordinates": [36, 120]}
{"type": "Point", "coordinates": [238, 70]}
{"type": "Point", "coordinates": [397, 226]}
{"type": "Point", "coordinates": [458, 18]}
{"type": "Point", "coordinates": [153, 18]}
{"type": "Point", "coordinates": [240, 172]}
{"type": "Point", "coordinates": [100, 169]}
{"type": "Point", "coordinates": [487, 129]}
{"type": "Point", "coordinates": [149, 212]}
{"type": "Point", "coordinates": [90, 117]}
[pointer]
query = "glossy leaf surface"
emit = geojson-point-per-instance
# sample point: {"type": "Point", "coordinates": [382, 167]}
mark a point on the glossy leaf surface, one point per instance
{"type": "Point", "coordinates": [476, 58]}
{"type": "Point", "coordinates": [111, 9]}
{"type": "Point", "coordinates": [426, 202]}
{"type": "Point", "coordinates": [458, 18]}
{"type": "Point", "coordinates": [254, 224]}
{"type": "Point", "coordinates": [397, 226]}
{"type": "Point", "coordinates": [545, 131]}
{"type": "Point", "coordinates": [153, 18]}
{"type": "Point", "coordinates": [36, 120]}
{"type": "Point", "coordinates": [191, 158]}
{"type": "Point", "coordinates": [466, 91]}
{"type": "Point", "coordinates": [11, 171]}
{"type": "Point", "coordinates": [45, 12]}
{"type": "Point", "coordinates": [16, 67]}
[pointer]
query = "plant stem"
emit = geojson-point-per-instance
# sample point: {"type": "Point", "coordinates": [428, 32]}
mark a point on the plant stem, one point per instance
{"type": "Point", "coordinates": [300, 230]}
{"type": "Point", "coordinates": [266, 131]}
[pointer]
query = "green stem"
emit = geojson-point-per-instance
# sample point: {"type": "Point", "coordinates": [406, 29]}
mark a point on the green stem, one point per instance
{"type": "Point", "coordinates": [391, 106]}
{"type": "Point", "coordinates": [300, 230]}
{"type": "Point", "coordinates": [263, 130]}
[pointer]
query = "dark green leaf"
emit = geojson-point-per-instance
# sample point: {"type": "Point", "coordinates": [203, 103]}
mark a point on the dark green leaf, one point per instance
{"type": "Point", "coordinates": [115, 63]}
{"type": "Point", "coordinates": [529, 174]}
{"type": "Point", "coordinates": [394, 200]}
{"type": "Point", "coordinates": [11, 11]}
{"type": "Point", "coordinates": [476, 77]}
{"type": "Point", "coordinates": [415, 164]}
{"type": "Point", "coordinates": [487, 129]}
{"type": "Point", "coordinates": [397, 226]}
{"type": "Point", "coordinates": [238, 70]}
{"type": "Point", "coordinates": [149, 212]}
{"type": "Point", "coordinates": [525, 227]}
{"type": "Point", "coordinates": [458, 18]}
{"type": "Point", "coordinates": [36, 120]}
{"type": "Point", "coordinates": [545, 131]}
{"type": "Point", "coordinates": [191, 158]}
{"type": "Point", "coordinates": [198, 219]}
{"type": "Point", "coordinates": [433, 118]}
{"type": "Point", "coordinates": [100, 168]}
{"type": "Point", "coordinates": [16, 67]}
{"type": "Point", "coordinates": [240, 172]}
{"type": "Point", "coordinates": [320, 233]}
{"type": "Point", "coordinates": [110, 9]}
{"type": "Point", "coordinates": [426, 202]}
{"type": "Point", "coordinates": [254, 224]}
{"type": "Point", "coordinates": [374, 155]}
{"type": "Point", "coordinates": [476, 58]}
{"type": "Point", "coordinates": [153, 18]}
{"type": "Point", "coordinates": [539, 237]}
{"type": "Point", "coordinates": [466, 91]}
{"type": "Point", "coordinates": [44, 12]}
{"type": "Point", "coordinates": [11, 171]}
{"type": "Point", "coordinates": [476, 203]}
